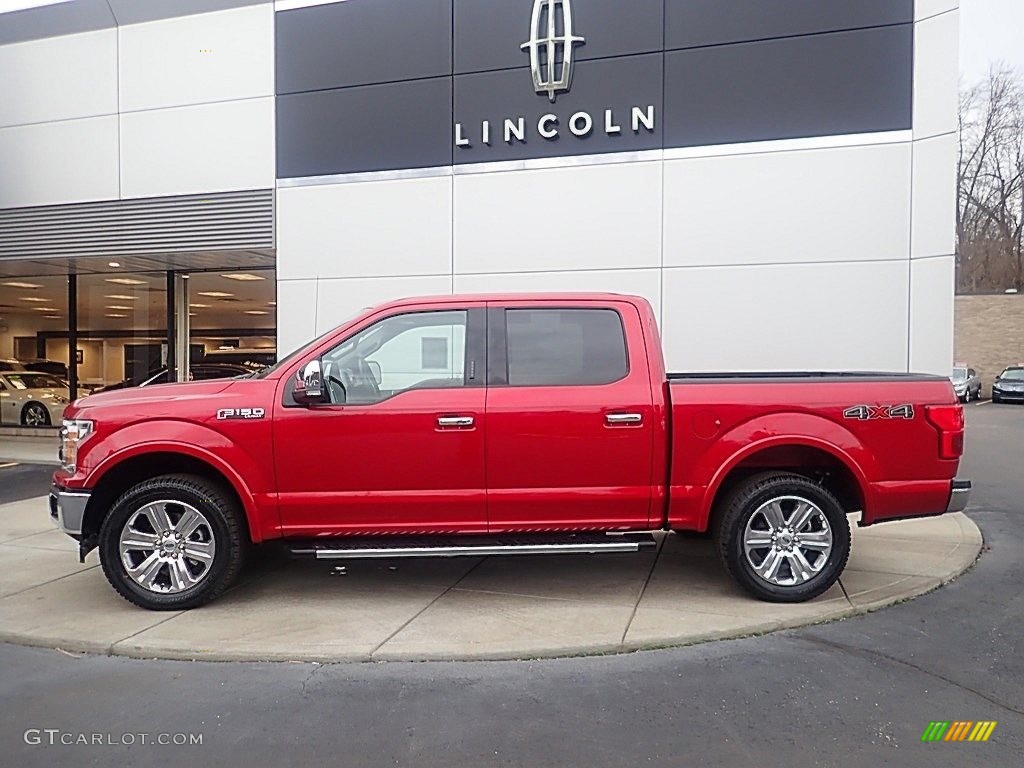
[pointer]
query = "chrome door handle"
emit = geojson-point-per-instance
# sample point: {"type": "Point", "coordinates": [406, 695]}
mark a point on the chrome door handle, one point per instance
{"type": "Point", "coordinates": [455, 421]}
{"type": "Point", "coordinates": [624, 418]}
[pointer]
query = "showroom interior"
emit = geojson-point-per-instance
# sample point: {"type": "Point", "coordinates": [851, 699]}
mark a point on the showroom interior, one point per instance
{"type": "Point", "coordinates": [130, 325]}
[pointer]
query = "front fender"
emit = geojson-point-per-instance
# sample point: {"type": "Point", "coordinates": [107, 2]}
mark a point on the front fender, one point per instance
{"type": "Point", "coordinates": [188, 439]}
{"type": "Point", "coordinates": [783, 429]}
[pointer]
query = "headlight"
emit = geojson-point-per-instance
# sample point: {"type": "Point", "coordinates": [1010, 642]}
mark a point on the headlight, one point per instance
{"type": "Point", "coordinates": [72, 435]}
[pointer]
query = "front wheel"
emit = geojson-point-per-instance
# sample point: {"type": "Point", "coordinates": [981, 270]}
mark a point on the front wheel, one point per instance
{"type": "Point", "coordinates": [782, 537]}
{"type": "Point", "coordinates": [173, 542]}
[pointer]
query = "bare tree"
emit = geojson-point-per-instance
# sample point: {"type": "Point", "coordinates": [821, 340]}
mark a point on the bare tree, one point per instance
{"type": "Point", "coordinates": [990, 185]}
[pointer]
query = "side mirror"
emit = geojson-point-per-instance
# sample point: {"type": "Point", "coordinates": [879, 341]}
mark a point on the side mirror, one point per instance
{"type": "Point", "coordinates": [309, 384]}
{"type": "Point", "coordinates": [374, 367]}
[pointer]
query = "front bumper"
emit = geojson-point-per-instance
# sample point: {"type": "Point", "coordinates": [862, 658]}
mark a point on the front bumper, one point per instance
{"type": "Point", "coordinates": [959, 495]}
{"type": "Point", "coordinates": [67, 509]}
{"type": "Point", "coordinates": [1004, 394]}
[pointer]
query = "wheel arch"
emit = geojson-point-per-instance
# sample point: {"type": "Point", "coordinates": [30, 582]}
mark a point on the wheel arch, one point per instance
{"type": "Point", "coordinates": [122, 471]}
{"type": "Point", "coordinates": [809, 457]}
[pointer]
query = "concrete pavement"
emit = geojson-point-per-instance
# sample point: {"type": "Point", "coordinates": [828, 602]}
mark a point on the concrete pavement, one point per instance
{"type": "Point", "coordinates": [472, 608]}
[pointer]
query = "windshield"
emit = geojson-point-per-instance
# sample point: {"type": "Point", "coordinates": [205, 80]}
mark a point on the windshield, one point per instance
{"type": "Point", "coordinates": [1012, 374]}
{"type": "Point", "coordinates": [292, 355]}
{"type": "Point", "coordinates": [959, 374]}
{"type": "Point", "coordinates": [33, 381]}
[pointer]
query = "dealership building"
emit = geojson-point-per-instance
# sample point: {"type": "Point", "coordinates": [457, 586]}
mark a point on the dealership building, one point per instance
{"type": "Point", "coordinates": [199, 180]}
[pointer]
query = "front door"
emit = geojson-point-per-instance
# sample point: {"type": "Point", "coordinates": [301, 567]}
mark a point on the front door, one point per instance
{"type": "Point", "coordinates": [400, 447]}
{"type": "Point", "coordinates": [570, 418]}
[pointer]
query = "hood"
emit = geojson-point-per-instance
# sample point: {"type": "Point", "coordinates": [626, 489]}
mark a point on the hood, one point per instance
{"type": "Point", "coordinates": [144, 397]}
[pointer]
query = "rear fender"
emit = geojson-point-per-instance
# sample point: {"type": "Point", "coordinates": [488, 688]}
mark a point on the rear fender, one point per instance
{"type": "Point", "coordinates": [783, 429]}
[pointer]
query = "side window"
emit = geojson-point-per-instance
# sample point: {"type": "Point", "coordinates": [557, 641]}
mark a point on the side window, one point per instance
{"type": "Point", "coordinates": [548, 347]}
{"type": "Point", "coordinates": [417, 350]}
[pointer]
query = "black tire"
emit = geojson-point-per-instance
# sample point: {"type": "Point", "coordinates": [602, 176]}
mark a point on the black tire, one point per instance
{"type": "Point", "coordinates": [743, 503]}
{"type": "Point", "coordinates": [36, 408]}
{"type": "Point", "coordinates": [225, 523]}
{"type": "Point", "coordinates": [995, 398]}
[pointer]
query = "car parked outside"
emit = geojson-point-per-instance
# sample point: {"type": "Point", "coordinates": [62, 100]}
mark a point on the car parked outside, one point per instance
{"type": "Point", "coordinates": [966, 383]}
{"type": "Point", "coordinates": [1009, 385]}
{"type": "Point", "coordinates": [31, 399]}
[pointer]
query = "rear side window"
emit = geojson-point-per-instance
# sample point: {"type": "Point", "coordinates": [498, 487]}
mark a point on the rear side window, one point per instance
{"type": "Point", "coordinates": [549, 347]}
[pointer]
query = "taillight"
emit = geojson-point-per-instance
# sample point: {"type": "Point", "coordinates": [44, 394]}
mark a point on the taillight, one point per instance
{"type": "Point", "coordinates": [948, 420]}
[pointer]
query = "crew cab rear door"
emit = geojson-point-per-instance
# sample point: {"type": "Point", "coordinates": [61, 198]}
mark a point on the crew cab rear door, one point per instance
{"type": "Point", "coordinates": [570, 417]}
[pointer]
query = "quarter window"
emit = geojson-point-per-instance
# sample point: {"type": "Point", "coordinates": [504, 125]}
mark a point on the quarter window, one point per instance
{"type": "Point", "coordinates": [550, 347]}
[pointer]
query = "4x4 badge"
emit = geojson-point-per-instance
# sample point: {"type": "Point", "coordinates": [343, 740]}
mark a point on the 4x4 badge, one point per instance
{"type": "Point", "coordinates": [868, 412]}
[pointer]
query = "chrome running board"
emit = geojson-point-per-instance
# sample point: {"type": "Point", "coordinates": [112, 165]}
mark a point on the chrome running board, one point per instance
{"type": "Point", "coordinates": [470, 546]}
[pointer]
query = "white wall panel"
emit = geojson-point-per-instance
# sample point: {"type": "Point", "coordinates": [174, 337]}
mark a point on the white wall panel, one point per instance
{"type": "Point", "coordinates": [844, 204]}
{"type": "Point", "coordinates": [590, 217]}
{"type": "Point", "coordinates": [207, 148]}
{"type": "Point", "coordinates": [59, 78]}
{"type": "Point", "coordinates": [931, 315]}
{"type": "Point", "coordinates": [63, 162]}
{"type": "Point", "coordinates": [339, 300]}
{"type": "Point", "coordinates": [201, 58]}
{"type": "Point", "coordinates": [642, 282]}
{"type": "Point", "coordinates": [367, 229]}
{"type": "Point", "coordinates": [934, 203]}
{"type": "Point", "coordinates": [787, 317]}
{"type": "Point", "coordinates": [925, 8]}
{"type": "Point", "coordinates": [296, 316]}
{"type": "Point", "coordinates": [936, 74]}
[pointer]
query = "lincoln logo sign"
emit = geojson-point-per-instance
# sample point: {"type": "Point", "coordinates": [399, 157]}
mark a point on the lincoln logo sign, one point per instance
{"type": "Point", "coordinates": [551, 48]}
{"type": "Point", "coordinates": [546, 46]}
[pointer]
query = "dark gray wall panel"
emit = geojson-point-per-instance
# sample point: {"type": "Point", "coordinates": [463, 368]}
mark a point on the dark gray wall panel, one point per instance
{"type": "Point", "coordinates": [369, 128]}
{"type": "Point", "coordinates": [52, 20]}
{"type": "Point", "coordinates": [488, 33]}
{"type": "Point", "coordinates": [605, 83]}
{"type": "Point", "coordinates": [691, 23]}
{"type": "Point", "coordinates": [362, 41]}
{"type": "Point", "coordinates": [847, 82]}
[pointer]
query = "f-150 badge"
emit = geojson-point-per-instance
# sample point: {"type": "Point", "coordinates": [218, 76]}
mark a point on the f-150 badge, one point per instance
{"type": "Point", "coordinates": [240, 413]}
{"type": "Point", "coordinates": [869, 412]}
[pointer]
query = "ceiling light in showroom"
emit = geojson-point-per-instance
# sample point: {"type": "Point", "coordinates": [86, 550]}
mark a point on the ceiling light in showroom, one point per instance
{"type": "Point", "coordinates": [243, 277]}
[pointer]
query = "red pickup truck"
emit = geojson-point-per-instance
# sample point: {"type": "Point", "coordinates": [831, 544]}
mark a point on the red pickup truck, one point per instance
{"type": "Point", "coordinates": [500, 424]}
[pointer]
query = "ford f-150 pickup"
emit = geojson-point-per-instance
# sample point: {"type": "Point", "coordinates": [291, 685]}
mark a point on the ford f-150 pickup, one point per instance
{"type": "Point", "coordinates": [495, 425]}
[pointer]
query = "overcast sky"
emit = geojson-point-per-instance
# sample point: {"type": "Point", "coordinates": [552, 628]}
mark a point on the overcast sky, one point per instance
{"type": "Point", "coordinates": [990, 30]}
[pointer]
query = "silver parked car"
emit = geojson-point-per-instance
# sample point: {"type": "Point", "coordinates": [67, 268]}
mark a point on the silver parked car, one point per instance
{"type": "Point", "coordinates": [966, 383]}
{"type": "Point", "coordinates": [32, 399]}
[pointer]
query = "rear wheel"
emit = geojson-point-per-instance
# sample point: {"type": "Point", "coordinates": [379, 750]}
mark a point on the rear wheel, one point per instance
{"type": "Point", "coordinates": [782, 537]}
{"type": "Point", "coordinates": [173, 542]}
{"type": "Point", "coordinates": [35, 415]}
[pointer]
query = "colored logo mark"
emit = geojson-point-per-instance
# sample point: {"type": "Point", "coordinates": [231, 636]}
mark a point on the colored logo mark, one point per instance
{"type": "Point", "coordinates": [958, 730]}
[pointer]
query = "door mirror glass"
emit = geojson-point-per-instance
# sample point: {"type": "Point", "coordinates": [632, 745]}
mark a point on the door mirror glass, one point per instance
{"type": "Point", "coordinates": [374, 367]}
{"type": "Point", "coordinates": [309, 384]}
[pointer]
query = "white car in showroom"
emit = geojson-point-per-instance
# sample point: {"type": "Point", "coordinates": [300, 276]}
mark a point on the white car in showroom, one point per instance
{"type": "Point", "coordinates": [32, 399]}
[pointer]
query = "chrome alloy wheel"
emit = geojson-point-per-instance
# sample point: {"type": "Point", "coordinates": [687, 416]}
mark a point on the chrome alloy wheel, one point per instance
{"type": "Point", "coordinates": [787, 540]}
{"type": "Point", "coordinates": [36, 416]}
{"type": "Point", "coordinates": [167, 546]}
